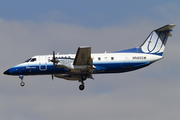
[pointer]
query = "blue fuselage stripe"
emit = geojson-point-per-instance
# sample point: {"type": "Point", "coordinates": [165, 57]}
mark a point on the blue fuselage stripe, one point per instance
{"type": "Point", "coordinates": [106, 67]}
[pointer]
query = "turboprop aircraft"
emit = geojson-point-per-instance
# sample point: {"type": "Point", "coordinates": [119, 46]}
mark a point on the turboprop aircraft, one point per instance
{"type": "Point", "coordinates": [80, 66]}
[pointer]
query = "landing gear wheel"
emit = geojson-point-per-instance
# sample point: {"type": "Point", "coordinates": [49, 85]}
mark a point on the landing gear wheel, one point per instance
{"type": "Point", "coordinates": [81, 87]}
{"type": "Point", "coordinates": [22, 84]}
{"type": "Point", "coordinates": [83, 77]}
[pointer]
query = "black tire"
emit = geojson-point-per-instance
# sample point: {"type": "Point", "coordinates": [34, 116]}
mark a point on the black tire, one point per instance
{"type": "Point", "coordinates": [22, 84]}
{"type": "Point", "coordinates": [81, 87]}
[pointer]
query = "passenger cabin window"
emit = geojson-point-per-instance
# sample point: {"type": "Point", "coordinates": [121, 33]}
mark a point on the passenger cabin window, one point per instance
{"type": "Point", "coordinates": [99, 58]}
{"type": "Point", "coordinates": [112, 58]}
{"type": "Point", "coordinates": [33, 59]}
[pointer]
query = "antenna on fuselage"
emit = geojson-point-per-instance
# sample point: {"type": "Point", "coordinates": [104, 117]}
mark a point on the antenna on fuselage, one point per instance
{"type": "Point", "coordinates": [106, 52]}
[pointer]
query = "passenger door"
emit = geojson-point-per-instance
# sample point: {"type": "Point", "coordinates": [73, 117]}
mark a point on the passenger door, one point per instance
{"type": "Point", "coordinates": [42, 63]}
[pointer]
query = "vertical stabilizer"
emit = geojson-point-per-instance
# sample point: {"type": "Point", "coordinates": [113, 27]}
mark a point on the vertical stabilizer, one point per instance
{"type": "Point", "coordinates": [156, 41]}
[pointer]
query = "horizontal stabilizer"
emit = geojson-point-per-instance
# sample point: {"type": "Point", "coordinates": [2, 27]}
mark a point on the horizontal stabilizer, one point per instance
{"type": "Point", "coordinates": [166, 28]}
{"type": "Point", "coordinates": [170, 34]}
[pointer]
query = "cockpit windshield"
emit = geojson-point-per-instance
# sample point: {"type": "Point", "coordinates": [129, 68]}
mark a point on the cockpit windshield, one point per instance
{"type": "Point", "coordinates": [28, 60]}
{"type": "Point", "coordinates": [31, 60]}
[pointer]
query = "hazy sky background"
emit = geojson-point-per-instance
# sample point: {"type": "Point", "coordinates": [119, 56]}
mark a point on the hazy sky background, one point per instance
{"type": "Point", "coordinates": [37, 27]}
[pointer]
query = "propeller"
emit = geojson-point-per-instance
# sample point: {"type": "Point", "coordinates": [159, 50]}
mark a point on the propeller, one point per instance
{"type": "Point", "coordinates": [52, 77]}
{"type": "Point", "coordinates": [54, 60]}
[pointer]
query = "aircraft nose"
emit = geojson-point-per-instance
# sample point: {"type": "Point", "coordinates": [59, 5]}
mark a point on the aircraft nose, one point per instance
{"type": "Point", "coordinates": [6, 72]}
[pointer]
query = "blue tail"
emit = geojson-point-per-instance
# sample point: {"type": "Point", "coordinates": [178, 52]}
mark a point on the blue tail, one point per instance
{"type": "Point", "coordinates": [156, 41]}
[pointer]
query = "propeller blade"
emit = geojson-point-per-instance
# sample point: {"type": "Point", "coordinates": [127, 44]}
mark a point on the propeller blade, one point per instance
{"type": "Point", "coordinates": [54, 66]}
{"type": "Point", "coordinates": [53, 60]}
{"type": "Point", "coordinates": [54, 56]}
{"type": "Point", "coordinates": [52, 77]}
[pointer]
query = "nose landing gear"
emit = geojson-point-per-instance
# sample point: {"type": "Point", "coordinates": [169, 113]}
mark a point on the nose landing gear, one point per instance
{"type": "Point", "coordinates": [22, 83]}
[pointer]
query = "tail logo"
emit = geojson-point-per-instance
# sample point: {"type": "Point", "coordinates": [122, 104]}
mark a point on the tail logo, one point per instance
{"type": "Point", "coordinates": [155, 43]}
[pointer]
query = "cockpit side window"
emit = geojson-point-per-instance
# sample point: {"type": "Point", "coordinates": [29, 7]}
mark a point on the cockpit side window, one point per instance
{"type": "Point", "coordinates": [33, 59]}
{"type": "Point", "coordinates": [28, 60]}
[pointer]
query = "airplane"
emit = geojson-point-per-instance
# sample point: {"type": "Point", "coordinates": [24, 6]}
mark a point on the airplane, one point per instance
{"type": "Point", "coordinates": [80, 66]}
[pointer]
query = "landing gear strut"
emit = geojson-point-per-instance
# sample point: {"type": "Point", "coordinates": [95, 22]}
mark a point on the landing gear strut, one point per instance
{"type": "Point", "coordinates": [83, 78]}
{"type": "Point", "coordinates": [22, 83]}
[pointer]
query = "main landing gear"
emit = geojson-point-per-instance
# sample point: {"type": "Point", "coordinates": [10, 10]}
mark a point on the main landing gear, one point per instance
{"type": "Point", "coordinates": [81, 87]}
{"type": "Point", "coordinates": [22, 83]}
{"type": "Point", "coordinates": [83, 78]}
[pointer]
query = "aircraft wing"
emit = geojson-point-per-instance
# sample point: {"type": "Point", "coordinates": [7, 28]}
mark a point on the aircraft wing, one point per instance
{"type": "Point", "coordinates": [83, 56]}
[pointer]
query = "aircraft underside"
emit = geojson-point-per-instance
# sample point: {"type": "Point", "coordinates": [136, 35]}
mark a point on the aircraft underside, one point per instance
{"type": "Point", "coordinates": [73, 76]}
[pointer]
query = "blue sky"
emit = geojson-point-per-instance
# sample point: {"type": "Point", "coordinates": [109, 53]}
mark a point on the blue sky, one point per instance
{"type": "Point", "coordinates": [29, 28]}
{"type": "Point", "coordinates": [94, 13]}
